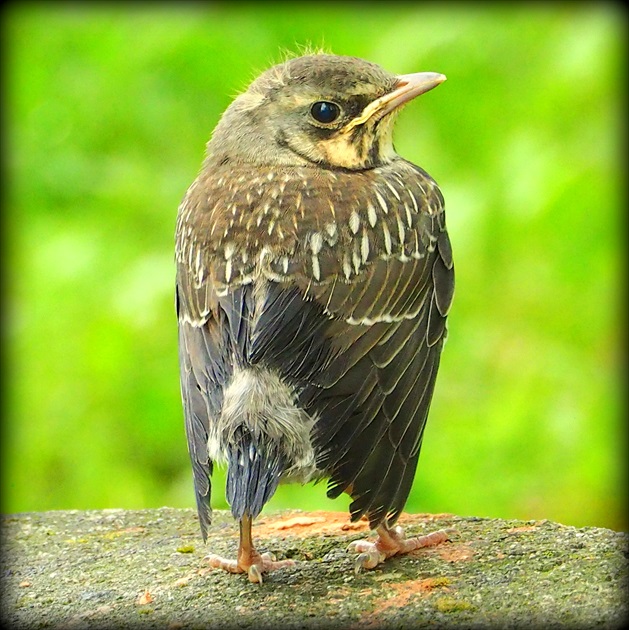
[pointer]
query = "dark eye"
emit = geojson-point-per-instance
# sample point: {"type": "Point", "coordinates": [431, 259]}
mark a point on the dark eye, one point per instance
{"type": "Point", "coordinates": [325, 112]}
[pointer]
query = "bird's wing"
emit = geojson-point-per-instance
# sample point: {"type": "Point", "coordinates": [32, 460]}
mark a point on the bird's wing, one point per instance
{"type": "Point", "coordinates": [211, 333]}
{"type": "Point", "coordinates": [202, 372]}
{"type": "Point", "coordinates": [388, 300]}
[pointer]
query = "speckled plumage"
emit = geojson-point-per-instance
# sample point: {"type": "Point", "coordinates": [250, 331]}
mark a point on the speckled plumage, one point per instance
{"type": "Point", "coordinates": [312, 299]}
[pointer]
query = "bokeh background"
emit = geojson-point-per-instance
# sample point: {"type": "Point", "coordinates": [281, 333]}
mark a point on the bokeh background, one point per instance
{"type": "Point", "coordinates": [107, 109]}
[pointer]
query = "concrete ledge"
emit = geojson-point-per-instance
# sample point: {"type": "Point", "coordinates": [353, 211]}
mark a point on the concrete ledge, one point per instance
{"type": "Point", "coordinates": [145, 569]}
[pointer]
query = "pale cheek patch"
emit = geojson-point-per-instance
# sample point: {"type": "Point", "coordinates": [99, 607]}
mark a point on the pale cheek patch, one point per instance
{"type": "Point", "coordinates": [386, 152]}
{"type": "Point", "coordinates": [340, 151]}
{"type": "Point", "coordinates": [348, 151]}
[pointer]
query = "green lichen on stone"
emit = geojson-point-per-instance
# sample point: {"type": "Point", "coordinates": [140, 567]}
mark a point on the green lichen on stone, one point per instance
{"type": "Point", "coordinates": [185, 549]}
{"type": "Point", "coordinates": [441, 581]}
{"type": "Point", "coordinates": [451, 604]}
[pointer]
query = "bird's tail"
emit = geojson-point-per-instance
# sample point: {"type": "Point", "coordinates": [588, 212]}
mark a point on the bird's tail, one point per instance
{"type": "Point", "coordinates": [255, 466]}
{"type": "Point", "coordinates": [263, 436]}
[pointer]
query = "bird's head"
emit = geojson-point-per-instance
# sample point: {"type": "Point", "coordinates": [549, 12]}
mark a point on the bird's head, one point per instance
{"type": "Point", "coordinates": [332, 111]}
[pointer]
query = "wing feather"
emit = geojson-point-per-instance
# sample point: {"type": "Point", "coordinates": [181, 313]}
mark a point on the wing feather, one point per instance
{"type": "Point", "coordinates": [202, 372]}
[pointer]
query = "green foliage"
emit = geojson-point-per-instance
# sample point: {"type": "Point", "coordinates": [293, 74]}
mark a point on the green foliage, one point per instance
{"type": "Point", "coordinates": [107, 109]}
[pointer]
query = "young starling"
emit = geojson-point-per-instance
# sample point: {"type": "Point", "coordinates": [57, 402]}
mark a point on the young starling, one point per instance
{"type": "Point", "coordinates": [314, 277]}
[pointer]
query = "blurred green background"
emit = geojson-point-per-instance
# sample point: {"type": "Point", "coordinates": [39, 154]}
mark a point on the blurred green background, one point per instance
{"type": "Point", "coordinates": [107, 111]}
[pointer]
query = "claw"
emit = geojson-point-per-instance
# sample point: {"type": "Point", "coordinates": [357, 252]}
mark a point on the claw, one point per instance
{"type": "Point", "coordinates": [356, 546]}
{"type": "Point", "coordinates": [368, 560]}
{"type": "Point", "coordinates": [359, 563]}
{"type": "Point", "coordinates": [254, 574]}
{"type": "Point", "coordinates": [268, 557]}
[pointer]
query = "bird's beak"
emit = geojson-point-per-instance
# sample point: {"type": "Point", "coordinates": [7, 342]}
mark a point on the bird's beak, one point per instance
{"type": "Point", "coordinates": [408, 87]}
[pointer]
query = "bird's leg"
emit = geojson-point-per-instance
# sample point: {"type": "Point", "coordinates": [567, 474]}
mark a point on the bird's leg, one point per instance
{"type": "Point", "coordinates": [249, 560]}
{"type": "Point", "coordinates": [391, 542]}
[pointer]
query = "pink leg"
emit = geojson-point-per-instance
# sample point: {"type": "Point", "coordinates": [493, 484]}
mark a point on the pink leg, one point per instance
{"type": "Point", "coordinates": [249, 560]}
{"type": "Point", "coordinates": [391, 542]}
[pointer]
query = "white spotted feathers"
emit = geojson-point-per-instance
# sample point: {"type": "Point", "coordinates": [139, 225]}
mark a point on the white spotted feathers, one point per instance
{"type": "Point", "coordinates": [315, 228]}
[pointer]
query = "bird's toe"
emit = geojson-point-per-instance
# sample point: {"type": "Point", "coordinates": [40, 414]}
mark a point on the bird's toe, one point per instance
{"type": "Point", "coordinates": [218, 562]}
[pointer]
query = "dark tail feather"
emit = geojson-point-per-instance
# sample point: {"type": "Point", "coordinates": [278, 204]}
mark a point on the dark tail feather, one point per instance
{"type": "Point", "coordinates": [253, 473]}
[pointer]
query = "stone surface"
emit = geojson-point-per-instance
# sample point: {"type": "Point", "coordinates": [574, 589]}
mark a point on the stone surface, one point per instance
{"type": "Point", "coordinates": [145, 569]}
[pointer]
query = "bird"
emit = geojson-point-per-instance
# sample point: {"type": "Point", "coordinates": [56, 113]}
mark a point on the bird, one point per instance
{"type": "Point", "coordinates": [314, 279]}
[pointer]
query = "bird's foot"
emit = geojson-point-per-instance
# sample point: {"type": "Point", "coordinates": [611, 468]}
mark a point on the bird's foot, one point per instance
{"type": "Point", "coordinates": [254, 564]}
{"type": "Point", "coordinates": [391, 542]}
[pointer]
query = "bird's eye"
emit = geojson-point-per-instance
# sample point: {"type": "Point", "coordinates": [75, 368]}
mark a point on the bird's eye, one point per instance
{"type": "Point", "coordinates": [325, 112]}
